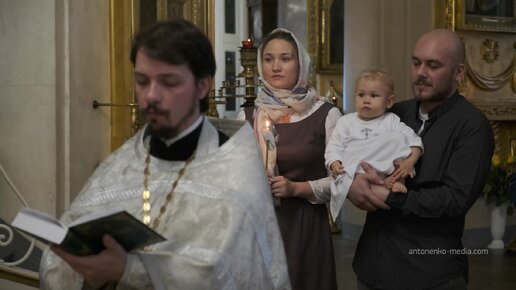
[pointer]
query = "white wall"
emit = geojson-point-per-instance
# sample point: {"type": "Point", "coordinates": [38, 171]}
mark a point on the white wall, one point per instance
{"type": "Point", "coordinates": [54, 61]}
{"type": "Point", "coordinates": [89, 129]}
{"type": "Point", "coordinates": [28, 95]}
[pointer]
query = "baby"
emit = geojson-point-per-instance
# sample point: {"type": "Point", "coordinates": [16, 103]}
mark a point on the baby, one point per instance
{"type": "Point", "coordinates": [373, 135]}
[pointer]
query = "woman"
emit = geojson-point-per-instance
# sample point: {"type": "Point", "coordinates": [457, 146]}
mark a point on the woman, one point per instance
{"type": "Point", "coordinates": [286, 104]}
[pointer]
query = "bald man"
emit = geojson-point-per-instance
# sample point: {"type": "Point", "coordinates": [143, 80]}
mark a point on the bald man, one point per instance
{"type": "Point", "coordinates": [413, 240]}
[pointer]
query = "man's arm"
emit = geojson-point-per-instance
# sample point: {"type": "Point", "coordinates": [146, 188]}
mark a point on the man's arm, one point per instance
{"type": "Point", "coordinates": [462, 181]}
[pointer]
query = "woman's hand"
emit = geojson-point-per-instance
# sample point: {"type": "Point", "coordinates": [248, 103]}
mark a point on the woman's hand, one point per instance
{"type": "Point", "coordinates": [282, 187]}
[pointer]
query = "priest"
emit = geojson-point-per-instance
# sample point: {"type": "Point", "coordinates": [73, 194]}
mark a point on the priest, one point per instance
{"type": "Point", "coordinates": [203, 189]}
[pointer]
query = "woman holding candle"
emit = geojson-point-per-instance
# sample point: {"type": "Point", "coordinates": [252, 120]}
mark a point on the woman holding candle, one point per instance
{"type": "Point", "coordinates": [302, 123]}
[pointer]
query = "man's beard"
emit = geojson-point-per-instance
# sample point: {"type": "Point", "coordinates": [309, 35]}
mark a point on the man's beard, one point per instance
{"type": "Point", "coordinates": [166, 131]}
{"type": "Point", "coordinates": [435, 96]}
{"type": "Point", "coordinates": [419, 82]}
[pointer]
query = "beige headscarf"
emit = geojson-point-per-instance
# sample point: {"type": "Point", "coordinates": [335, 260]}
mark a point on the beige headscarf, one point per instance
{"type": "Point", "coordinates": [272, 104]}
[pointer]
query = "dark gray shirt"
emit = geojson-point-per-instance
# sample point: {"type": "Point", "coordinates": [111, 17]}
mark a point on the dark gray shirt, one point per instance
{"type": "Point", "coordinates": [412, 245]}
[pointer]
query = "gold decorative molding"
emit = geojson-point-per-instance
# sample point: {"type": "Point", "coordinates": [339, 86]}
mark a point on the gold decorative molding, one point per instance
{"type": "Point", "coordinates": [465, 15]}
{"type": "Point", "coordinates": [313, 31]}
{"type": "Point", "coordinates": [514, 82]}
{"type": "Point", "coordinates": [122, 23]}
{"type": "Point", "coordinates": [514, 75]}
{"type": "Point", "coordinates": [318, 16]}
{"type": "Point", "coordinates": [488, 83]}
{"type": "Point", "coordinates": [199, 12]}
{"type": "Point", "coordinates": [318, 45]}
{"type": "Point", "coordinates": [19, 275]}
{"type": "Point", "coordinates": [505, 143]}
{"type": "Point", "coordinates": [490, 50]}
{"type": "Point", "coordinates": [449, 15]}
{"type": "Point", "coordinates": [499, 111]}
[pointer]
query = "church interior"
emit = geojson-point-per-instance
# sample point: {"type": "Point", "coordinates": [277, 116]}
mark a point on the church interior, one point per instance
{"type": "Point", "coordinates": [66, 80]}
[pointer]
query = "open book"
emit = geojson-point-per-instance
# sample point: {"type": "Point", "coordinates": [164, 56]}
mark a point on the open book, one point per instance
{"type": "Point", "coordinates": [84, 236]}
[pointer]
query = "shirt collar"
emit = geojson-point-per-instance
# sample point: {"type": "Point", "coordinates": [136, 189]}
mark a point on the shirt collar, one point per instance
{"type": "Point", "coordinates": [444, 106]}
{"type": "Point", "coordinates": [180, 136]}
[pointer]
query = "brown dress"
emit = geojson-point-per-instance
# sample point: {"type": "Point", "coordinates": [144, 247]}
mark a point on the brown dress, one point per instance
{"type": "Point", "coordinates": [304, 226]}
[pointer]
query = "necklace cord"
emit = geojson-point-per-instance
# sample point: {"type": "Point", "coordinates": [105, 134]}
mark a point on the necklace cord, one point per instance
{"type": "Point", "coordinates": [146, 195]}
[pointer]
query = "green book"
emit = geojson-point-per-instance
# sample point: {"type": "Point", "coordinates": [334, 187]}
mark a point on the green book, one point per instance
{"type": "Point", "coordinates": [83, 237]}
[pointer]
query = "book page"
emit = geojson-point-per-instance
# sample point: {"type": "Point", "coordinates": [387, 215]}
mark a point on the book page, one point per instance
{"type": "Point", "coordinates": [40, 225]}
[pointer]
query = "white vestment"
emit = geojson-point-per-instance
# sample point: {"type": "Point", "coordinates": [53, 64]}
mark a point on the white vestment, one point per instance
{"type": "Point", "coordinates": [379, 142]}
{"type": "Point", "coordinates": [220, 226]}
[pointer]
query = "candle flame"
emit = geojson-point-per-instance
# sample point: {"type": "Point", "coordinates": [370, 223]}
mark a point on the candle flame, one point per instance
{"type": "Point", "coordinates": [267, 124]}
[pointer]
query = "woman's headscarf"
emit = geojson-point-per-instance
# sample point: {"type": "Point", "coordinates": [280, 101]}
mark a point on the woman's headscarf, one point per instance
{"type": "Point", "coordinates": [299, 99]}
{"type": "Point", "coordinates": [272, 104]}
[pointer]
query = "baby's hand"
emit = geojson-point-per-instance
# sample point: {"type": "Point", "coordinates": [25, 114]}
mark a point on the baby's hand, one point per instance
{"type": "Point", "coordinates": [336, 168]}
{"type": "Point", "coordinates": [405, 169]}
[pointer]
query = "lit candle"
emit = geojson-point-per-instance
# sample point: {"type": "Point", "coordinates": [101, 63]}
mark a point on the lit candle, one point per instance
{"type": "Point", "coordinates": [247, 43]}
{"type": "Point", "coordinates": [267, 130]}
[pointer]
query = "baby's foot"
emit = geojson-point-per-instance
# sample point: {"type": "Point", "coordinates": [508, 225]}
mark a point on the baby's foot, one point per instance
{"type": "Point", "coordinates": [399, 187]}
{"type": "Point", "coordinates": [389, 182]}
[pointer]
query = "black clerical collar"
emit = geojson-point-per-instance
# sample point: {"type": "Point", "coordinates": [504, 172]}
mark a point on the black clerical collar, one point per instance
{"type": "Point", "coordinates": [181, 148]}
{"type": "Point", "coordinates": [185, 132]}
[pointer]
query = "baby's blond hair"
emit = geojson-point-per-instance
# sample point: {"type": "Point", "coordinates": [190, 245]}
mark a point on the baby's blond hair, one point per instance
{"type": "Point", "coordinates": [377, 74]}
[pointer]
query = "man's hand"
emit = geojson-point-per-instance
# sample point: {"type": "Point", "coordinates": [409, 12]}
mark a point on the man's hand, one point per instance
{"type": "Point", "coordinates": [367, 191]}
{"type": "Point", "coordinates": [107, 266]}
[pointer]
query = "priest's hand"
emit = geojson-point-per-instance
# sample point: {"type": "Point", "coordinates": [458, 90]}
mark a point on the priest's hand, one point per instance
{"type": "Point", "coordinates": [367, 191]}
{"type": "Point", "coordinates": [107, 266]}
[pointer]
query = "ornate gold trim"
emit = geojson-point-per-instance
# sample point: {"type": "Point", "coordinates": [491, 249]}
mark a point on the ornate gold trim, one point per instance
{"type": "Point", "coordinates": [199, 12]}
{"type": "Point", "coordinates": [490, 50]}
{"type": "Point", "coordinates": [465, 21]}
{"type": "Point", "coordinates": [514, 82]}
{"type": "Point", "coordinates": [313, 29]}
{"type": "Point", "coordinates": [494, 83]}
{"type": "Point", "coordinates": [19, 275]}
{"type": "Point", "coordinates": [122, 25]}
{"type": "Point", "coordinates": [514, 75]}
{"type": "Point", "coordinates": [501, 111]}
{"type": "Point", "coordinates": [318, 32]}
{"type": "Point", "coordinates": [449, 17]}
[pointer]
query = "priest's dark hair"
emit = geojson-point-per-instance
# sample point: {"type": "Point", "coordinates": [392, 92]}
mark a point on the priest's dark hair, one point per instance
{"type": "Point", "coordinates": [177, 42]}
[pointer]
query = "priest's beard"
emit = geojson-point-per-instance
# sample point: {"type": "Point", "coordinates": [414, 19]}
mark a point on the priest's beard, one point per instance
{"type": "Point", "coordinates": [167, 131]}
